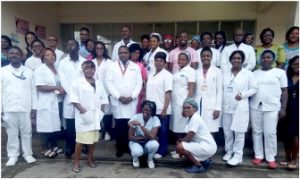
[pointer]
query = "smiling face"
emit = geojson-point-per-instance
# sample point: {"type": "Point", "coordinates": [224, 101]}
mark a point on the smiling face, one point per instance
{"type": "Point", "coordinates": [206, 58]}
{"type": "Point", "coordinates": [206, 40]}
{"type": "Point", "coordinates": [154, 43]}
{"type": "Point", "coordinates": [123, 54]}
{"type": "Point", "coordinates": [188, 110]}
{"type": "Point", "coordinates": [182, 60]}
{"type": "Point", "coordinates": [30, 38]}
{"type": "Point", "coordinates": [183, 39]}
{"type": "Point", "coordinates": [52, 41]}
{"type": "Point", "coordinates": [146, 112]}
{"type": "Point", "coordinates": [219, 40]}
{"type": "Point", "coordinates": [236, 61]}
{"type": "Point", "coordinates": [99, 49]}
{"type": "Point", "coordinates": [49, 57]}
{"type": "Point", "coordinates": [295, 66]}
{"type": "Point", "coordinates": [37, 48]}
{"type": "Point", "coordinates": [294, 36]}
{"type": "Point", "coordinates": [238, 36]}
{"type": "Point", "coordinates": [267, 37]}
{"type": "Point", "coordinates": [159, 64]}
{"type": "Point", "coordinates": [88, 71]}
{"type": "Point", "coordinates": [14, 56]}
{"type": "Point", "coordinates": [125, 33]}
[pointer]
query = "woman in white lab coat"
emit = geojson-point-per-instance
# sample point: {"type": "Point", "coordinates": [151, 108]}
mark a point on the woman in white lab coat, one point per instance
{"type": "Point", "coordinates": [238, 85]}
{"type": "Point", "coordinates": [209, 91]}
{"type": "Point", "coordinates": [49, 92]}
{"type": "Point", "coordinates": [267, 106]}
{"type": "Point", "coordinates": [183, 87]}
{"type": "Point", "coordinates": [88, 96]}
{"type": "Point", "coordinates": [102, 61]}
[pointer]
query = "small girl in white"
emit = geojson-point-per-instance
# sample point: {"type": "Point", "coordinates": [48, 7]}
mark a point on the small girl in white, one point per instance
{"type": "Point", "coordinates": [88, 96]}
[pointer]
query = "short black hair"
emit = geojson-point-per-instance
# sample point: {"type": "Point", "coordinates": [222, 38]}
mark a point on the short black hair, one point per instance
{"type": "Point", "coordinates": [17, 48]}
{"type": "Point", "coordinates": [152, 106]}
{"type": "Point", "coordinates": [161, 55]}
{"type": "Point", "coordinates": [205, 33]}
{"type": "Point", "coordinates": [89, 63]}
{"type": "Point", "coordinates": [43, 55]}
{"type": "Point", "coordinates": [145, 36]}
{"type": "Point", "coordinates": [5, 37]}
{"type": "Point", "coordinates": [105, 53]}
{"type": "Point", "coordinates": [39, 41]}
{"type": "Point", "coordinates": [76, 42]}
{"type": "Point", "coordinates": [268, 29]}
{"type": "Point", "coordinates": [123, 46]}
{"type": "Point", "coordinates": [291, 29]}
{"type": "Point", "coordinates": [206, 49]}
{"type": "Point", "coordinates": [134, 47]}
{"type": "Point", "coordinates": [268, 51]}
{"type": "Point", "coordinates": [86, 29]}
{"type": "Point", "coordinates": [237, 52]}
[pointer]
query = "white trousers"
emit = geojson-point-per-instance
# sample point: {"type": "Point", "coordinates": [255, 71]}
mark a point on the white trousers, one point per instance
{"type": "Point", "coordinates": [16, 122]}
{"type": "Point", "coordinates": [264, 125]}
{"type": "Point", "coordinates": [234, 141]}
{"type": "Point", "coordinates": [150, 148]}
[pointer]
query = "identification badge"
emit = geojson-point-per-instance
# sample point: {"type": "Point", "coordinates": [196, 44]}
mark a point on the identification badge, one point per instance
{"type": "Point", "coordinates": [204, 87]}
{"type": "Point", "coordinates": [229, 89]}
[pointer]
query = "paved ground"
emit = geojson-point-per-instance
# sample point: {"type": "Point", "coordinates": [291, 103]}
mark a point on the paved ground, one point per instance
{"type": "Point", "coordinates": [110, 166]}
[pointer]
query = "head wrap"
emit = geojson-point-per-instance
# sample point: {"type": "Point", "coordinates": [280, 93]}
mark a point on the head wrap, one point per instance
{"type": "Point", "coordinates": [156, 34]}
{"type": "Point", "coordinates": [192, 102]}
{"type": "Point", "coordinates": [197, 38]}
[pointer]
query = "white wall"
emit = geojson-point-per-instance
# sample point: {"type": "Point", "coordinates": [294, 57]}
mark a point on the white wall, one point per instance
{"type": "Point", "coordinates": [37, 13]}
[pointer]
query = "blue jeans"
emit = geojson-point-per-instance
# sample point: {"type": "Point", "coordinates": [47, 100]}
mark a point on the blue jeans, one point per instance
{"type": "Point", "coordinates": [163, 135]}
{"type": "Point", "coordinates": [70, 136]}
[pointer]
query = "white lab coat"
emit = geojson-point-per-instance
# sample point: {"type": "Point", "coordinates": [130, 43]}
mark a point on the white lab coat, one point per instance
{"type": "Point", "coordinates": [250, 58]}
{"type": "Point", "coordinates": [59, 55]}
{"type": "Point", "coordinates": [115, 55]}
{"type": "Point", "coordinates": [47, 119]}
{"type": "Point", "coordinates": [179, 94]}
{"type": "Point", "coordinates": [209, 90]}
{"type": "Point", "coordinates": [216, 57]}
{"type": "Point", "coordinates": [245, 84]}
{"type": "Point", "coordinates": [68, 70]}
{"type": "Point", "coordinates": [149, 59]}
{"type": "Point", "coordinates": [100, 75]}
{"type": "Point", "coordinates": [128, 84]}
{"type": "Point", "coordinates": [84, 93]}
{"type": "Point", "coordinates": [156, 88]}
{"type": "Point", "coordinates": [33, 62]}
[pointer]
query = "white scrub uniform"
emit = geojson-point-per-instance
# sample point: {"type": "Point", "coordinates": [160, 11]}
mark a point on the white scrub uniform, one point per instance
{"type": "Point", "coordinates": [68, 70]}
{"type": "Point", "coordinates": [91, 99]}
{"type": "Point", "coordinates": [126, 82]}
{"type": "Point", "coordinates": [264, 108]}
{"type": "Point", "coordinates": [47, 119]}
{"type": "Point", "coordinates": [156, 87]}
{"type": "Point", "coordinates": [250, 58]}
{"type": "Point", "coordinates": [16, 99]}
{"type": "Point", "coordinates": [33, 62]}
{"type": "Point", "coordinates": [235, 117]}
{"type": "Point", "coordinates": [216, 57]}
{"type": "Point", "coordinates": [209, 91]}
{"type": "Point", "coordinates": [149, 59]}
{"type": "Point", "coordinates": [179, 94]}
{"type": "Point", "coordinates": [150, 146]}
{"type": "Point", "coordinates": [59, 54]}
{"type": "Point", "coordinates": [203, 145]}
{"type": "Point", "coordinates": [114, 55]}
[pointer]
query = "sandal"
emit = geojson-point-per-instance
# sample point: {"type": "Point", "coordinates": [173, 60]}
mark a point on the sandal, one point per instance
{"type": "Point", "coordinates": [284, 163]}
{"type": "Point", "coordinates": [292, 166]}
{"type": "Point", "coordinates": [76, 170]}
{"type": "Point", "coordinates": [91, 164]}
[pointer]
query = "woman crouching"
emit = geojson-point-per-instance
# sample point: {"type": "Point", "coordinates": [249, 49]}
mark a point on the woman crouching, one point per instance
{"type": "Point", "coordinates": [198, 145]}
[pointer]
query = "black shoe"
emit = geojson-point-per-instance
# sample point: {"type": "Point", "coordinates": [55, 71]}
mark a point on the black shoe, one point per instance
{"type": "Point", "coordinates": [68, 154]}
{"type": "Point", "coordinates": [206, 163]}
{"type": "Point", "coordinates": [119, 153]}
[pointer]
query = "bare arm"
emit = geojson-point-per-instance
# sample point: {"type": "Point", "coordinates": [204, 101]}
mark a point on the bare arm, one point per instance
{"type": "Point", "coordinates": [191, 89]}
{"type": "Point", "coordinates": [284, 99]}
{"type": "Point", "coordinates": [79, 107]}
{"type": "Point", "coordinates": [166, 103]}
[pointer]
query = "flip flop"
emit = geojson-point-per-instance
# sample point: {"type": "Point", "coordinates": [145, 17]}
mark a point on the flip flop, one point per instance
{"type": "Point", "coordinates": [76, 170]}
{"type": "Point", "coordinates": [283, 163]}
{"type": "Point", "coordinates": [91, 164]}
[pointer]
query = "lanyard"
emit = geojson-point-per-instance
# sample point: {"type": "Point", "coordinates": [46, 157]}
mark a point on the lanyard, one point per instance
{"type": "Point", "coordinates": [123, 70]}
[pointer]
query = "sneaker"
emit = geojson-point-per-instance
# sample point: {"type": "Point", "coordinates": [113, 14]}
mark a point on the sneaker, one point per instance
{"type": "Point", "coordinates": [151, 164]}
{"type": "Point", "coordinates": [195, 169]}
{"type": "Point", "coordinates": [173, 152]}
{"type": "Point", "coordinates": [272, 165]}
{"type": "Point", "coordinates": [107, 136]}
{"type": "Point", "coordinates": [11, 161]}
{"type": "Point", "coordinates": [136, 162]}
{"type": "Point", "coordinates": [175, 156]}
{"type": "Point", "coordinates": [257, 161]}
{"type": "Point", "coordinates": [29, 159]}
{"type": "Point", "coordinates": [235, 160]}
{"type": "Point", "coordinates": [227, 157]}
{"type": "Point", "coordinates": [157, 156]}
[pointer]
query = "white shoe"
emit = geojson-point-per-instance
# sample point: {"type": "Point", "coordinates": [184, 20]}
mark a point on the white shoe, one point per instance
{"type": "Point", "coordinates": [151, 164]}
{"type": "Point", "coordinates": [235, 160]}
{"type": "Point", "coordinates": [107, 136]}
{"type": "Point", "coordinates": [173, 152]}
{"type": "Point", "coordinates": [11, 161]}
{"type": "Point", "coordinates": [29, 159]}
{"type": "Point", "coordinates": [176, 156]}
{"type": "Point", "coordinates": [136, 162]}
{"type": "Point", "coordinates": [227, 157]}
{"type": "Point", "coordinates": [157, 156]}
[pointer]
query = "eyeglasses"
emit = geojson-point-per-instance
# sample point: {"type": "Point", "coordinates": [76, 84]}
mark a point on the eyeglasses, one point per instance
{"type": "Point", "coordinates": [167, 40]}
{"type": "Point", "coordinates": [83, 34]}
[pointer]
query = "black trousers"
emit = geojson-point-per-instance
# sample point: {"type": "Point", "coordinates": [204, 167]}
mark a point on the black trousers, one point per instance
{"type": "Point", "coordinates": [106, 125]}
{"type": "Point", "coordinates": [121, 132]}
{"type": "Point", "coordinates": [49, 140]}
{"type": "Point", "coordinates": [70, 136]}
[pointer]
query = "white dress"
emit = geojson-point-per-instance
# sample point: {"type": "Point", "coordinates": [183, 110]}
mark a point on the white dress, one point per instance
{"type": "Point", "coordinates": [179, 94]}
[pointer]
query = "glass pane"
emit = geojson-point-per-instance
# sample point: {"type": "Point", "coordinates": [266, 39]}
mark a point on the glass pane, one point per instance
{"type": "Point", "coordinates": [229, 27]}
{"type": "Point", "coordinates": [139, 30]}
{"type": "Point", "coordinates": [249, 26]}
{"type": "Point", "coordinates": [209, 26]}
{"type": "Point", "coordinates": [164, 28]}
{"type": "Point", "coordinates": [116, 32]}
{"type": "Point", "coordinates": [189, 27]}
{"type": "Point", "coordinates": [67, 32]}
{"type": "Point", "coordinates": [77, 28]}
{"type": "Point", "coordinates": [103, 33]}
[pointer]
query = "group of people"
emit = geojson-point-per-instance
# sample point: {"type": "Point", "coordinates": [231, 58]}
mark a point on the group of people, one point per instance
{"type": "Point", "coordinates": [149, 89]}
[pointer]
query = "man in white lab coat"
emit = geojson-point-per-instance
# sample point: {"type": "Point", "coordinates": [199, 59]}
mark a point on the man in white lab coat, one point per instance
{"type": "Point", "coordinates": [17, 92]}
{"type": "Point", "coordinates": [124, 83]}
{"type": "Point", "coordinates": [69, 68]}
{"type": "Point", "coordinates": [250, 58]}
{"type": "Point", "coordinates": [125, 41]}
{"type": "Point", "coordinates": [52, 42]}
